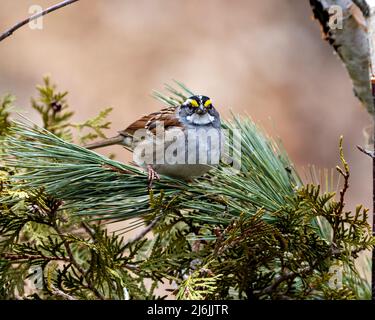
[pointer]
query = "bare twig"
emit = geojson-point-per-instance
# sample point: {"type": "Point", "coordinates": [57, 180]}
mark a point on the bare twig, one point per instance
{"type": "Point", "coordinates": [20, 24]}
{"type": "Point", "coordinates": [366, 152]}
{"type": "Point", "coordinates": [61, 294]}
{"type": "Point", "coordinates": [145, 230]}
{"type": "Point", "coordinates": [287, 275]}
{"type": "Point", "coordinates": [88, 229]}
{"type": "Point", "coordinates": [131, 267]}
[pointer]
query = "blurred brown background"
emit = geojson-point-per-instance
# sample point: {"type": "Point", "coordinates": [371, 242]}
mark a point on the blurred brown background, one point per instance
{"type": "Point", "coordinates": [262, 58]}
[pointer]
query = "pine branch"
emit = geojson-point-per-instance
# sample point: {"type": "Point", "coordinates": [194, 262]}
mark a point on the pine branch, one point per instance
{"type": "Point", "coordinates": [90, 183]}
{"type": "Point", "coordinates": [20, 24]}
{"type": "Point", "coordinates": [73, 260]}
{"type": "Point", "coordinates": [250, 224]}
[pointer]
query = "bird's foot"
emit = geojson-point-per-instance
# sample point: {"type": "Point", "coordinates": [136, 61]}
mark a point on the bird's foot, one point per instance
{"type": "Point", "coordinates": [151, 176]}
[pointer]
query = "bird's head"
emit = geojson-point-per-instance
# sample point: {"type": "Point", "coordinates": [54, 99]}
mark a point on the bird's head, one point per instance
{"type": "Point", "coordinates": [199, 110]}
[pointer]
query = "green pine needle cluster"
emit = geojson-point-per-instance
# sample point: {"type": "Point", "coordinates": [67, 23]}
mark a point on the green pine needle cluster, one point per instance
{"type": "Point", "coordinates": [253, 233]}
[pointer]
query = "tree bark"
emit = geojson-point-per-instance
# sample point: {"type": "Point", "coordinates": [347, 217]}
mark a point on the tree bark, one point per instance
{"type": "Point", "coordinates": [349, 42]}
{"type": "Point", "coordinates": [355, 45]}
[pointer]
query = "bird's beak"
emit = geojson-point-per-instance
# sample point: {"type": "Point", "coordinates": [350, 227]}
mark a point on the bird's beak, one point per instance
{"type": "Point", "coordinates": [201, 110]}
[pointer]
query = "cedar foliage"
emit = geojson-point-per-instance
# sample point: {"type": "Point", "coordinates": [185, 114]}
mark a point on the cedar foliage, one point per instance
{"type": "Point", "coordinates": [256, 233]}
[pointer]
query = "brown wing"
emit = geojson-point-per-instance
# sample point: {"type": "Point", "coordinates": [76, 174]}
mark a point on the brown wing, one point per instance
{"type": "Point", "coordinates": [166, 116]}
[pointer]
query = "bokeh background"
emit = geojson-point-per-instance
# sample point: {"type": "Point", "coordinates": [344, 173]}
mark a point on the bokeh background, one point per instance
{"type": "Point", "coordinates": [266, 59]}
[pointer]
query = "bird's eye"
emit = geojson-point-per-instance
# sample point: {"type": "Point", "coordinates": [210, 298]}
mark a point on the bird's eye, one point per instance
{"type": "Point", "coordinates": [208, 104]}
{"type": "Point", "coordinates": [194, 103]}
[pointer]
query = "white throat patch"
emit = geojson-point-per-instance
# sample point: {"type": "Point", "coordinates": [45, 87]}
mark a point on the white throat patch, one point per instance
{"type": "Point", "coordinates": [200, 120]}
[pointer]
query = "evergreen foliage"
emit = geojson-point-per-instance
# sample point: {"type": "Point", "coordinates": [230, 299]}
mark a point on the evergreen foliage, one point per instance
{"type": "Point", "coordinates": [254, 233]}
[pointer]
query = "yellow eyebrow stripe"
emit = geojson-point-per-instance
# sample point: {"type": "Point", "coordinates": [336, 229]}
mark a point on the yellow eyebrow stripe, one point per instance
{"type": "Point", "coordinates": [207, 103]}
{"type": "Point", "coordinates": [194, 103]}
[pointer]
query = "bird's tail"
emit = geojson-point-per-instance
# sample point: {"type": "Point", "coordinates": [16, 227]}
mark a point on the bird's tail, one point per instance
{"type": "Point", "coordinates": [107, 142]}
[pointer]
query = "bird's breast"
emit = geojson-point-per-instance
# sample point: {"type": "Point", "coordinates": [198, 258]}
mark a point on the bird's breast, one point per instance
{"type": "Point", "coordinates": [181, 153]}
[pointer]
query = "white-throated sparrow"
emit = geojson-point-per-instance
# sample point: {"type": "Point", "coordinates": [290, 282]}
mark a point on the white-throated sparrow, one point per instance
{"type": "Point", "coordinates": [183, 142]}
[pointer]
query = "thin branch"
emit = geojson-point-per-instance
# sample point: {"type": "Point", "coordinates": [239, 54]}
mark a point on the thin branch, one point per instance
{"type": "Point", "coordinates": [287, 275]}
{"type": "Point", "coordinates": [61, 294]}
{"type": "Point", "coordinates": [290, 275]}
{"type": "Point", "coordinates": [77, 265]}
{"type": "Point", "coordinates": [20, 24]}
{"type": "Point", "coordinates": [131, 267]}
{"type": "Point", "coordinates": [88, 229]}
{"type": "Point", "coordinates": [20, 257]}
{"type": "Point", "coordinates": [145, 230]}
{"type": "Point", "coordinates": [363, 6]}
{"type": "Point", "coordinates": [366, 152]}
